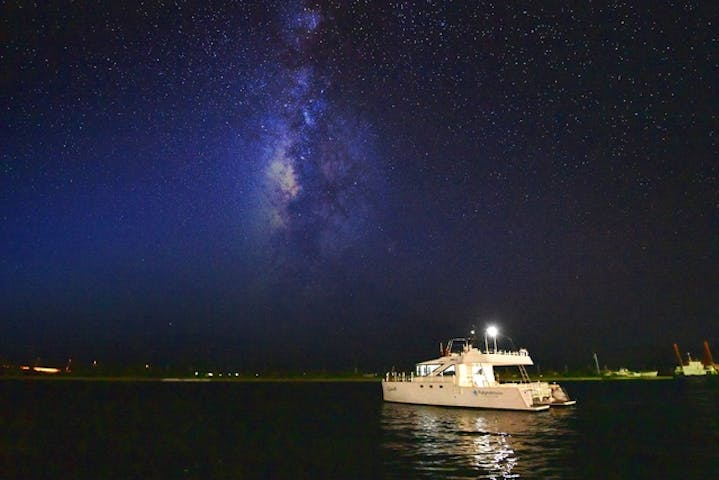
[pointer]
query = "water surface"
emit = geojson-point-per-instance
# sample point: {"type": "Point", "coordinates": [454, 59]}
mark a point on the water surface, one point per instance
{"type": "Point", "coordinates": [629, 429]}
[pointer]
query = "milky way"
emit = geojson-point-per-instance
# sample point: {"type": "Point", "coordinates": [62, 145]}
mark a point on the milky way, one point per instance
{"type": "Point", "coordinates": [318, 168]}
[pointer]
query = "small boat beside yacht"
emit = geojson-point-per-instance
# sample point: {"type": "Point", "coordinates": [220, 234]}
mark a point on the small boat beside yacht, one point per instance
{"type": "Point", "coordinates": [464, 376]}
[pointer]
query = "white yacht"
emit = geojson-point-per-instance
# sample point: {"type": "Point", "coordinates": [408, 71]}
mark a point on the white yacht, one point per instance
{"type": "Point", "coordinates": [463, 376]}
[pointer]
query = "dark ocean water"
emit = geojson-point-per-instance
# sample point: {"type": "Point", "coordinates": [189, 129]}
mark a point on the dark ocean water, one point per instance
{"type": "Point", "coordinates": [624, 429]}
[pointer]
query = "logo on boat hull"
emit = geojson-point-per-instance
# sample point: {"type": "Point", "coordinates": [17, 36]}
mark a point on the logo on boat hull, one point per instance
{"type": "Point", "coordinates": [486, 392]}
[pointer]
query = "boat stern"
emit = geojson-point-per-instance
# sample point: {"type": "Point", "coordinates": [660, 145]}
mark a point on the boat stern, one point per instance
{"type": "Point", "coordinates": [551, 394]}
{"type": "Point", "coordinates": [559, 396]}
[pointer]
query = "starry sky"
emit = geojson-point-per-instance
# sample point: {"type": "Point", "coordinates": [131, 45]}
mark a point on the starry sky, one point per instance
{"type": "Point", "coordinates": [338, 184]}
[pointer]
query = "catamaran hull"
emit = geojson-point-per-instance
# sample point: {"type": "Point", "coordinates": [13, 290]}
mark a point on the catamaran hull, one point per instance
{"type": "Point", "coordinates": [503, 397]}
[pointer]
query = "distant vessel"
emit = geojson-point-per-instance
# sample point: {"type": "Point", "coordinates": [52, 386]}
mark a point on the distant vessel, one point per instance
{"type": "Point", "coordinates": [624, 372]}
{"type": "Point", "coordinates": [463, 376]}
{"type": "Point", "coordinates": [695, 368]}
{"type": "Point", "coordinates": [39, 369]}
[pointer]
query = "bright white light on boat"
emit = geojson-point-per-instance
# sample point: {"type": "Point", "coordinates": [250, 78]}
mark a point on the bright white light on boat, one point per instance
{"type": "Point", "coordinates": [492, 331]}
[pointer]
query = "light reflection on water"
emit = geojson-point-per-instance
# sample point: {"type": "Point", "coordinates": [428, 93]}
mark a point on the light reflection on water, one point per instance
{"type": "Point", "coordinates": [466, 443]}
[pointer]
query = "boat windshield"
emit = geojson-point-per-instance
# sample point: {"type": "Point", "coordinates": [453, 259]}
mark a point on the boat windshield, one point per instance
{"type": "Point", "coordinates": [457, 345]}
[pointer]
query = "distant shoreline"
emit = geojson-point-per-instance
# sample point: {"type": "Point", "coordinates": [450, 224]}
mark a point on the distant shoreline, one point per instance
{"type": "Point", "coordinates": [129, 379]}
{"type": "Point", "coordinates": [279, 379]}
{"type": "Point", "coordinates": [604, 379]}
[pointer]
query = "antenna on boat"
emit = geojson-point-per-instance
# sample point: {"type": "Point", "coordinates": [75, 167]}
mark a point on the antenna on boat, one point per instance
{"type": "Point", "coordinates": [472, 333]}
{"type": "Point", "coordinates": [514, 346]}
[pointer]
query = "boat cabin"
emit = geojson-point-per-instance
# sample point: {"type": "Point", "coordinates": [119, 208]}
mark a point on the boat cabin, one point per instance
{"type": "Point", "coordinates": [468, 366]}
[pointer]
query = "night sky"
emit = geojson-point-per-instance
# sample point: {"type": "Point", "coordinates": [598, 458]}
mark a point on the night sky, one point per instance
{"type": "Point", "coordinates": [344, 184]}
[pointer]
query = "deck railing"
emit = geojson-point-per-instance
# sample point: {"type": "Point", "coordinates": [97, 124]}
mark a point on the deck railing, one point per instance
{"type": "Point", "coordinates": [410, 377]}
{"type": "Point", "coordinates": [398, 377]}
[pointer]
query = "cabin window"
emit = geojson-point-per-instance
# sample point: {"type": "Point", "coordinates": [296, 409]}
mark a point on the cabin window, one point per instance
{"type": "Point", "coordinates": [449, 371]}
{"type": "Point", "coordinates": [423, 370]}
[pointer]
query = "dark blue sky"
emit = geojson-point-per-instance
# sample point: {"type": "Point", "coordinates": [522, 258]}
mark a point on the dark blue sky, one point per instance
{"type": "Point", "coordinates": [342, 184]}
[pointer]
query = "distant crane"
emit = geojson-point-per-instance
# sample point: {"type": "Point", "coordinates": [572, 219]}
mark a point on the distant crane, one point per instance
{"type": "Point", "coordinates": [596, 364]}
{"type": "Point", "coordinates": [708, 359]}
